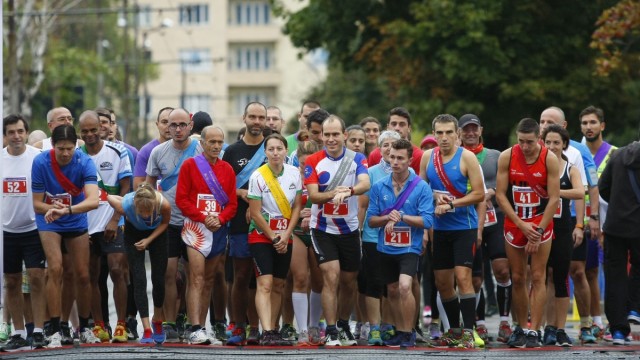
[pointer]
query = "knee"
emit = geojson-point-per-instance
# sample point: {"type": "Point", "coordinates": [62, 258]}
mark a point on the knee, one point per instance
{"type": "Point", "coordinates": [265, 287]}
{"type": "Point", "coordinates": [477, 283]}
{"type": "Point", "coordinates": [578, 275]}
{"type": "Point", "coordinates": [518, 279]}
{"type": "Point", "coordinates": [55, 273]}
{"type": "Point", "coordinates": [393, 290]}
{"type": "Point", "coordinates": [502, 274]}
{"type": "Point", "coordinates": [13, 282]}
{"type": "Point", "coordinates": [117, 273]}
{"type": "Point", "coordinates": [82, 279]}
{"type": "Point", "coordinates": [404, 289]}
{"type": "Point", "coordinates": [197, 281]}
{"type": "Point", "coordinates": [330, 279]}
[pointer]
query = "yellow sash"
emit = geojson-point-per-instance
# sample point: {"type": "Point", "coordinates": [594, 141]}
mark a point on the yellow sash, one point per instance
{"type": "Point", "coordinates": [276, 190]}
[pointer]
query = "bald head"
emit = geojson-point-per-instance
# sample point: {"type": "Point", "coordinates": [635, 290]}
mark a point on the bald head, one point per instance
{"type": "Point", "coordinates": [552, 115]}
{"type": "Point", "coordinates": [214, 129]}
{"type": "Point", "coordinates": [88, 115]}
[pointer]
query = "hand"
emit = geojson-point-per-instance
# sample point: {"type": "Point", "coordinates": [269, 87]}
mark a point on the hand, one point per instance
{"type": "Point", "coordinates": [142, 244]}
{"type": "Point", "coordinates": [578, 236]}
{"type": "Point", "coordinates": [389, 227]}
{"type": "Point", "coordinates": [341, 196]}
{"type": "Point", "coordinates": [305, 224]}
{"type": "Point", "coordinates": [442, 198]}
{"type": "Point", "coordinates": [442, 209]}
{"type": "Point", "coordinates": [281, 246]}
{"type": "Point", "coordinates": [395, 216]}
{"type": "Point", "coordinates": [54, 214]}
{"type": "Point", "coordinates": [305, 213]}
{"type": "Point", "coordinates": [110, 230]}
{"type": "Point", "coordinates": [242, 194]}
{"type": "Point", "coordinates": [58, 204]}
{"type": "Point", "coordinates": [601, 240]}
{"type": "Point", "coordinates": [532, 247]}
{"type": "Point", "coordinates": [529, 231]}
{"type": "Point", "coordinates": [594, 226]}
{"type": "Point", "coordinates": [479, 240]}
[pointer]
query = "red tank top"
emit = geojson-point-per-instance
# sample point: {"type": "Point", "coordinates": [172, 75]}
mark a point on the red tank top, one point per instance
{"type": "Point", "coordinates": [525, 202]}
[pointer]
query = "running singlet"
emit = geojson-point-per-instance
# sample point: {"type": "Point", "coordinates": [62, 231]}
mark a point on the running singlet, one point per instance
{"type": "Point", "coordinates": [526, 203]}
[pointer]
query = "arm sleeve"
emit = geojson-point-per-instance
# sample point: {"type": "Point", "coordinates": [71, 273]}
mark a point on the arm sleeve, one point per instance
{"type": "Point", "coordinates": [374, 196]}
{"type": "Point", "coordinates": [141, 162]}
{"type": "Point", "coordinates": [425, 205]}
{"type": "Point", "coordinates": [184, 196]}
{"type": "Point", "coordinates": [125, 165]}
{"type": "Point", "coordinates": [310, 175]}
{"type": "Point", "coordinates": [90, 174]}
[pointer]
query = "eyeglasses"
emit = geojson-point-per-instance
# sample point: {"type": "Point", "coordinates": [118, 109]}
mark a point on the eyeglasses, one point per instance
{"type": "Point", "coordinates": [180, 125]}
{"type": "Point", "coordinates": [63, 118]}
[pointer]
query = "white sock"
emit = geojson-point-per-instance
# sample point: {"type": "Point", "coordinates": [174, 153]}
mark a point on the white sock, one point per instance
{"type": "Point", "coordinates": [38, 330]}
{"type": "Point", "coordinates": [315, 308]}
{"type": "Point", "coordinates": [444, 320]}
{"type": "Point", "coordinates": [598, 320]}
{"type": "Point", "coordinates": [22, 333]}
{"type": "Point", "coordinates": [300, 309]}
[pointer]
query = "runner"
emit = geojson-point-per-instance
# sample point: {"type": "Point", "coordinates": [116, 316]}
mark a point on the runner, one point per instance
{"type": "Point", "coordinates": [65, 188]}
{"type": "Point", "coordinates": [527, 189]}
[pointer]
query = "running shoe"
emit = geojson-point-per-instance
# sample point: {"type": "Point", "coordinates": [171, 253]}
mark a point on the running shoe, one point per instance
{"type": "Point", "coordinates": [230, 328]}
{"type": "Point", "coordinates": [120, 335]}
{"type": "Point", "coordinates": [38, 341]}
{"type": "Point", "coordinates": [586, 336]}
{"type": "Point", "coordinates": [288, 332]}
{"type": "Point", "coordinates": [132, 328]}
{"type": "Point", "coordinates": [213, 339]}
{"type": "Point", "coordinates": [87, 337]}
{"type": "Point", "coordinates": [518, 338]}
{"type": "Point", "coordinates": [434, 331]}
{"type": "Point", "coordinates": [303, 338]}
{"type": "Point", "coordinates": [374, 337]}
{"type": "Point", "coordinates": [54, 341]}
{"type": "Point", "coordinates": [550, 336]}
{"type": "Point", "coordinates": [619, 338]}
{"type": "Point", "coordinates": [199, 337]}
{"type": "Point", "coordinates": [65, 331]}
{"type": "Point", "coordinates": [396, 340]}
{"type": "Point", "coordinates": [562, 339]}
{"type": "Point", "coordinates": [5, 331]}
{"type": "Point", "coordinates": [478, 341]}
{"type": "Point", "coordinates": [238, 338]}
{"type": "Point", "coordinates": [158, 336]}
{"type": "Point", "coordinates": [332, 339]}
{"type": "Point", "coordinates": [482, 332]}
{"type": "Point", "coordinates": [532, 339]}
{"type": "Point", "coordinates": [504, 332]}
{"type": "Point", "coordinates": [101, 333]}
{"type": "Point", "coordinates": [147, 337]}
{"type": "Point", "coordinates": [315, 337]}
{"type": "Point", "coordinates": [253, 335]}
{"type": "Point", "coordinates": [467, 340]}
{"type": "Point", "coordinates": [346, 337]}
{"type": "Point", "coordinates": [16, 343]}
{"type": "Point", "coordinates": [220, 330]}
{"type": "Point", "coordinates": [171, 334]}
{"type": "Point", "coordinates": [634, 317]}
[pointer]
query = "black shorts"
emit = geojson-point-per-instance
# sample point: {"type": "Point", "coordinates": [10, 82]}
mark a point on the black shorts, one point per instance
{"type": "Point", "coordinates": [267, 261]}
{"type": "Point", "coordinates": [175, 245]}
{"type": "Point", "coordinates": [370, 275]}
{"type": "Point", "coordinates": [345, 248]}
{"type": "Point", "coordinates": [99, 246]}
{"type": "Point", "coordinates": [66, 235]}
{"type": "Point", "coordinates": [394, 265]}
{"type": "Point", "coordinates": [453, 248]}
{"type": "Point", "coordinates": [478, 262]}
{"type": "Point", "coordinates": [19, 247]}
{"type": "Point", "coordinates": [493, 239]}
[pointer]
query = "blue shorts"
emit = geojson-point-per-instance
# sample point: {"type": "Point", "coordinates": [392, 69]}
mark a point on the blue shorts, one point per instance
{"type": "Point", "coordinates": [239, 246]}
{"type": "Point", "coordinates": [593, 254]}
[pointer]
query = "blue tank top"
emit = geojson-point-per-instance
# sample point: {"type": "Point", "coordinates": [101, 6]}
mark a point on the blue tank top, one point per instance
{"type": "Point", "coordinates": [461, 218]}
{"type": "Point", "coordinates": [139, 222]}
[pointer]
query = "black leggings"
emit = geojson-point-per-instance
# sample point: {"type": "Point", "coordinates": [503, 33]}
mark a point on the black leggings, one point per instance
{"type": "Point", "coordinates": [560, 259]}
{"type": "Point", "coordinates": [158, 256]}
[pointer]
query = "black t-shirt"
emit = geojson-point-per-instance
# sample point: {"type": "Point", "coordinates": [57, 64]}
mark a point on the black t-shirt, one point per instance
{"type": "Point", "coordinates": [239, 155]}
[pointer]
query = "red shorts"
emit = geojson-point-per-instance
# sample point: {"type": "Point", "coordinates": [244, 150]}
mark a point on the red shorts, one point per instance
{"type": "Point", "coordinates": [514, 236]}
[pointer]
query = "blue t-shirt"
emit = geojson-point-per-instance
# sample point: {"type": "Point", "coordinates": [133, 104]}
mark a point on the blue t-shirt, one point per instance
{"type": "Point", "coordinates": [419, 202]}
{"type": "Point", "coordinates": [136, 220]}
{"type": "Point", "coordinates": [80, 171]}
{"type": "Point", "coordinates": [590, 169]}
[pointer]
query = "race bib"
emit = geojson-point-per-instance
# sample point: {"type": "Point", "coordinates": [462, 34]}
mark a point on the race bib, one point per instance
{"type": "Point", "coordinates": [64, 198]}
{"type": "Point", "coordinates": [490, 217]}
{"type": "Point", "coordinates": [399, 237]}
{"type": "Point", "coordinates": [278, 224]}
{"type": "Point", "coordinates": [524, 196]}
{"type": "Point", "coordinates": [16, 186]}
{"type": "Point", "coordinates": [102, 197]}
{"type": "Point", "coordinates": [208, 205]}
{"type": "Point", "coordinates": [330, 210]}
{"type": "Point", "coordinates": [558, 213]}
{"type": "Point", "coordinates": [447, 194]}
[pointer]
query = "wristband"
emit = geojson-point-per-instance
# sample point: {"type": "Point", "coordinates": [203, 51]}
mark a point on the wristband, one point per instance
{"type": "Point", "coordinates": [579, 226]}
{"type": "Point", "coordinates": [70, 211]}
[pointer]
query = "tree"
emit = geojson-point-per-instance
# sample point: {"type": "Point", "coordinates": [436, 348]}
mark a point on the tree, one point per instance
{"type": "Point", "coordinates": [616, 39]}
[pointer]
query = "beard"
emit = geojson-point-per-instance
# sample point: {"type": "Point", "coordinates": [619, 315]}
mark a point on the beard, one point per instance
{"type": "Point", "coordinates": [592, 138]}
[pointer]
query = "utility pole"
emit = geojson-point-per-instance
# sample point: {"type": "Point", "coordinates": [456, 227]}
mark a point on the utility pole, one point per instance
{"type": "Point", "coordinates": [100, 51]}
{"type": "Point", "coordinates": [126, 100]}
{"type": "Point", "coordinates": [12, 63]}
{"type": "Point", "coordinates": [135, 134]}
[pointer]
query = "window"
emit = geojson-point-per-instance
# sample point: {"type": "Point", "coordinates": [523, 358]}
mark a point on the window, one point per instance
{"type": "Point", "coordinates": [144, 16]}
{"type": "Point", "coordinates": [239, 98]}
{"type": "Point", "coordinates": [250, 57]}
{"type": "Point", "coordinates": [197, 102]}
{"type": "Point", "coordinates": [197, 14]}
{"type": "Point", "coordinates": [196, 60]}
{"type": "Point", "coordinates": [249, 12]}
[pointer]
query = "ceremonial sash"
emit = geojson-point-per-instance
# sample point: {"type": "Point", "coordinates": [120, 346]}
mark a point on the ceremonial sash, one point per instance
{"type": "Point", "coordinates": [533, 182]}
{"type": "Point", "coordinates": [601, 153]}
{"type": "Point", "coordinates": [276, 191]}
{"type": "Point", "coordinates": [170, 180]}
{"type": "Point", "coordinates": [66, 184]}
{"type": "Point", "coordinates": [403, 196]}
{"type": "Point", "coordinates": [212, 181]}
{"type": "Point", "coordinates": [442, 175]}
{"type": "Point", "coordinates": [343, 169]}
{"type": "Point", "coordinates": [244, 175]}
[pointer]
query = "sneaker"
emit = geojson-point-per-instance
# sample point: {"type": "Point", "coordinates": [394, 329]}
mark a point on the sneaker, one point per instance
{"type": "Point", "coordinates": [478, 341]}
{"type": "Point", "coordinates": [419, 335]}
{"type": "Point", "coordinates": [54, 341]}
{"type": "Point", "coordinates": [634, 317]}
{"type": "Point", "coordinates": [16, 343]}
{"type": "Point", "coordinates": [100, 333]}
{"type": "Point", "coordinates": [597, 331]}
{"type": "Point", "coordinates": [158, 336]}
{"type": "Point", "coordinates": [5, 331]}
{"type": "Point", "coordinates": [364, 331]}
{"type": "Point", "coordinates": [532, 339]}
{"type": "Point", "coordinates": [229, 330]}
{"type": "Point", "coordinates": [213, 340]}
{"type": "Point", "coordinates": [120, 335]}
{"type": "Point", "coordinates": [253, 336]}
{"type": "Point", "coordinates": [346, 337]}
{"type": "Point", "coordinates": [38, 341]}
{"type": "Point", "coordinates": [181, 320]}
{"type": "Point", "coordinates": [374, 338]}
{"type": "Point", "coordinates": [238, 338]}
{"type": "Point", "coordinates": [607, 335]}
{"type": "Point", "coordinates": [550, 336]}
{"type": "Point", "coordinates": [87, 337]}
{"type": "Point", "coordinates": [586, 336]}
{"type": "Point", "coordinates": [332, 339]}
{"type": "Point", "coordinates": [387, 331]}
{"type": "Point", "coordinates": [426, 316]}
{"type": "Point", "coordinates": [467, 340]}
{"type": "Point", "coordinates": [288, 332]}
{"type": "Point", "coordinates": [267, 338]}
{"type": "Point", "coordinates": [449, 339]}
{"type": "Point", "coordinates": [220, 329]}
{"type": "Point", "coordinates": [303, 338]}
{"type": "Point", "coordinates": [132, 328]}
{"type": "Point", "coordinates": [434, 331]}
{"type": "Point", "coordinates": [618, 338]}
{"type": "Point", "coordinates": [147, 337]}
{"type": "Point", "coordinates": [483, 332]}
{"type": "Point", "coordinates": [171, 335]}
{"type": "Point", "coordinates": [517, 338]}
{"type": "Point", "coordinates": [504, 332]}
{"type": "Point", "coordinates": [562, 339]}
{"type": "Point", "coordinates": [396, 340]}
{"type": "Point", "coordinates": [356, 331]}
{"type": "Point", "coordinates": [65, 331]}
{"type": "Point", "coordinates": [409, 340]}
{"type": "Point", "coordinates": [315, 338]}
{"type": "Point", "coordinates": [199, 338]}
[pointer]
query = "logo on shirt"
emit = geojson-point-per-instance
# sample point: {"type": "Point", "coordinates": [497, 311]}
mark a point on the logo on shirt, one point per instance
{"type": "Point", "coordinates": [307, 171]}
{"type": "Point", "coordinates": [385, 197]}
{"type": "Point", "coordinates": [292, 186]}
{"type": "Point", "coordinates": [537, 174]}
{"type": "Point", "coordinates": [105, 166]}
{"type": "Point", "coordinates": [243, 162]}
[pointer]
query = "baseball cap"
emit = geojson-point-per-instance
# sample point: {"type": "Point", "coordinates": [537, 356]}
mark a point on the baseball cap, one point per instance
{"type": "Point", "coordinates": [428, 139]}
{"type": "Point", "coordinates": [468, 119]}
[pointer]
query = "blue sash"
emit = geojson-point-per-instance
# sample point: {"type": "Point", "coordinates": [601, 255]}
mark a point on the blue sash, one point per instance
{"type": "Point", "coordinates": [170, 180]}
{"type": "Point", "coordinates": [253, 165]}
{"type": "Point", "coordinates": [212, 181]}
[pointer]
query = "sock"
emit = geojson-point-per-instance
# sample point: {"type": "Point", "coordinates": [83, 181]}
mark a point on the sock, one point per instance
{"type": "Point", "coordinates": [332, 329]}
{"type": "Point", "coordinates": [195, 328]}
{"type": "Point", "coordinates": [585, 322]}
{"type": "Point", "coordinates": [480, 305]}
{"type": "Point", "coordinates": [84, 322]}
{"type": "Point", "coordinates": [29, 328]}
{"type": "Point", "coordinates": [315, 308]}
{"type": "Point", "coordinates": [480, 322]}
{"type": "Point", "coordinates": [300, 309]}
{"type": "Point", "coordinates": [54, 324]}
{"type": "Point", "coordinates": [598, 320]}
{"type": "Point", "coordinates": [22, 333]}
{"type": "Point", "coordinates": [467, 308]}
{"type": "Point", "coordinates": [503, 294]}
{"type": "Point", "coordinates": [38, 330]}
{"type": "Point", "coordinates": [444, 320]}
{"type": "Point", "coordinates": [343, 324]}
{"type": "Point", "coordinates": [452, 310]}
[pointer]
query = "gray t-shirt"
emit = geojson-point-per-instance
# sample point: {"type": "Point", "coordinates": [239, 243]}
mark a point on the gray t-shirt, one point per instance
{"type": "Point", "coordinates": [490, 171]}
{"type": "Point", "coordinates": [163, 159]}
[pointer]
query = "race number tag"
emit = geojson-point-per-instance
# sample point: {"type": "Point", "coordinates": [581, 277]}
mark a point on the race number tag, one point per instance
{"type": "Point", "coordinates": [524, 196]}
{"type": "Point", "coordinates": [330, 210]}
{"type": "Point", "coordinates": [278, 224]}
{"type": "Point", "coordinates": [65, 198]}
{"type": "Point", "coordinates": [399, 237]}
{"type": "Point", "coordinates": [16, 186]}
{"type": "Point", "coordinates": [208, 205]}
{"type": "Point", "coordinates": [490, 217]}
{"type": "Point", "coordinates": [558, 213]}
{"type": "Point", "coordinates": [102, 197]}
{"type": "Point", "coordinates": [446, 194]}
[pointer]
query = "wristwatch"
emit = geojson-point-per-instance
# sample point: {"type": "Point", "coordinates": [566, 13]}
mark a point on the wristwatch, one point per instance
{"type": "Point", "coordinates": [276, 239]}
{"type": "Point", "coordinates": [540, 231]}
{"type": "Point", "coordinates": [595, 217]}
{"type": "Point", "coordinates": [451, 205]}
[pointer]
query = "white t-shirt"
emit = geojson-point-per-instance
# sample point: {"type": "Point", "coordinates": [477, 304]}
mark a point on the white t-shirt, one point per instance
{"type": "Point", "coordinates": [112, 163]}
{"type": "Point", "coordinates": [575, 159]}
{"type": "Point", "coordinates": [16, 191]}
{"type": "Point", "coordinates": [290, 181]}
